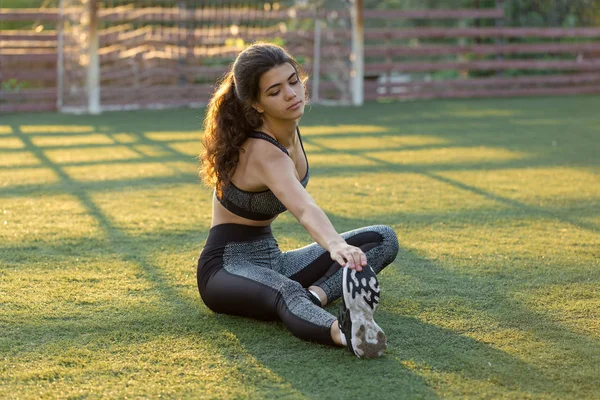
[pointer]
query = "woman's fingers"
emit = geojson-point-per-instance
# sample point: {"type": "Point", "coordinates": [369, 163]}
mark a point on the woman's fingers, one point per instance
{"type": "Point", "coordinates": [363, 259]}
{"type": "Point", "coordinates": [360, 259]}
{"type": "Point", "coordinates": [358, 254]}
{"type": "Point", "coordinates": [349, 260]}
{"type": "Point", "coordinates": [352, 257]}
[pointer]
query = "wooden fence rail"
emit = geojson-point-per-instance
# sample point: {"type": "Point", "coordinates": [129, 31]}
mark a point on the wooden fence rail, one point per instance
{"type": "Point", "coordinates": [476, 61]}
{"type": "Point", "coordinates": [146, 62]}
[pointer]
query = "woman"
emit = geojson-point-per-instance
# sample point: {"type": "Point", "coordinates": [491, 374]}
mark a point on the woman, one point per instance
{"type": "Point", "coordinates": [255, 161]}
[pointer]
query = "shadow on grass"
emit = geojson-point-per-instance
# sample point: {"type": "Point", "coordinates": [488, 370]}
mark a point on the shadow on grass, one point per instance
{"type": "Point", "coordinates": [416, 346]}
{"type": "Point", "coordinates": [382, 165]}
{"type": "Point", "coordinates": [421, 354]}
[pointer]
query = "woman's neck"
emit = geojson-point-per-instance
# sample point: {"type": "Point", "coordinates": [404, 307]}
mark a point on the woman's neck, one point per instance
{"type": "Point", "coordinates": [283, 131]}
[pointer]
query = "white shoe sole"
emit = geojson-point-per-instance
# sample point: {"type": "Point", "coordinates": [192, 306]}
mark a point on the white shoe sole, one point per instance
{"type": "Point", "coordinates": [368, 339]}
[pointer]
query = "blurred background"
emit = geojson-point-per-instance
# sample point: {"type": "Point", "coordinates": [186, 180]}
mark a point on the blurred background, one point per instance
{"type": "Point", "coordinates": [95, 55]}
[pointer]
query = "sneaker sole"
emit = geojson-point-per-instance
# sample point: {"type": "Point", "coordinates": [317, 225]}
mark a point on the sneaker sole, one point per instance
{"type": "Point", "coordinates": [368, 339]}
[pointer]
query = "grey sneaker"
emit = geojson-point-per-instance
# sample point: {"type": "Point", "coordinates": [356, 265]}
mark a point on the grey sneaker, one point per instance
{"type": "Point", "coordinates": [360, 297]}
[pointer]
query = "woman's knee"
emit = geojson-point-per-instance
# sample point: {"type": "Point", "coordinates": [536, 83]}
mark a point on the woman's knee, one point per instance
{"type": "Point", "coordinates": [390, 240]}
{"type": "Point", "coordinates": [381, 237]}
{"type": "Point", "coordinates": [388, 245]}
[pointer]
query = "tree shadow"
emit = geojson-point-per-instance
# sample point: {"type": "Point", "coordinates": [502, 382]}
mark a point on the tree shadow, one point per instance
{"type": "Point", "coordinates": [420, 352]}
{"type": "Point", "coordinates": [382, 165]}
{"type": "Point", "coordinates": [415, 345]}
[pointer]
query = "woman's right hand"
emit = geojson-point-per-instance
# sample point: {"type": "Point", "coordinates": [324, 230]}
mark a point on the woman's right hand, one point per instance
{"type": "Point", "coordinates": [348, 255]}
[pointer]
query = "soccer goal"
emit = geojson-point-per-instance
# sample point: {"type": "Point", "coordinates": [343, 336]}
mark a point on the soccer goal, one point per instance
{"type": "Point", "coordinates": [124, 54]}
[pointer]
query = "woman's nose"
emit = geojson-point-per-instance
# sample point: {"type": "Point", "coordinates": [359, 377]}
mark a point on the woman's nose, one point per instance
{"type": "Point", "coordinates": [290, 93]}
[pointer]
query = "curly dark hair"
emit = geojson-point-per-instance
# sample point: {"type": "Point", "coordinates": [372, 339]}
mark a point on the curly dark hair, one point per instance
{"type": "Point", "coordinates": [230, 115]}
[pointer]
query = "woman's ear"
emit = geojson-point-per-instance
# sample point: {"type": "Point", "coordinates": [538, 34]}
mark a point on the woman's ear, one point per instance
{"type": "Point", "coordinates": [258, 108]}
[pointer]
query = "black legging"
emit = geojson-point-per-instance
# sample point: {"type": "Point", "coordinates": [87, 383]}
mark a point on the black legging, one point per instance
{"type": "Point", "coordinates": [241, 271]}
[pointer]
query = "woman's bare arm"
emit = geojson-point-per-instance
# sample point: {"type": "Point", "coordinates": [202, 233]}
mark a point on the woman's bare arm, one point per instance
{"type": "Point", "coordinates": [277, 170]}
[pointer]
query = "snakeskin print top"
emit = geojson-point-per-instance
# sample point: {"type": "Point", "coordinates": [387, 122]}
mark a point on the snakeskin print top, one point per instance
{"type": "Point", "coordinates": [257, 206]}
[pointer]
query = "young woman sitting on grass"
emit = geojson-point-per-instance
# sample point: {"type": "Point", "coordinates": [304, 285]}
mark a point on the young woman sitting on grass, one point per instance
{"type": "Point", "coordinates": [255, 161]}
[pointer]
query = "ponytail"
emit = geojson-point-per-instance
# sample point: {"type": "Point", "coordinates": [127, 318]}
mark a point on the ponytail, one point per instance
{"type": "Point", "coordinates": [226, 127]}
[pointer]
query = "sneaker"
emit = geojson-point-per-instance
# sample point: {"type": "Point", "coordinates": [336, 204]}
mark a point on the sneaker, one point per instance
{"type": "Point", "coordinates": [360, 297]}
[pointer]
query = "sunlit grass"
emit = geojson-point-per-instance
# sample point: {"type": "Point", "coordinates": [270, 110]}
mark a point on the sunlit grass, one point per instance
{"type": "Point", "coordinates": [341, 160]}
{"type": "Point", "coordinates": [342, 129]}
{"type": "Point", "coordinates": [448, 155]}
{"type": "Point", "coordinates": [124, 137]}
{"type": "Point", "coordinates": [5, 130]}
{"type": "Point", "coordinates": [575, 305]}
{"type": "Point", "coordinates": [374, 192]}
{"type": "Point", "coordinates": [83, 155]}
{"type": "Point", "coordinates": [61, 129]}
{"type": "Point", "coordinates": [18, 159]}
{"type": "Point", "coordinates": [462, 111]}
{"type": "Point", "coordinates": [71, 140]}
{"type": "Point", "coordinates": [191, 148]}
{"type": "Point", "coordinates": [494, 293]}
{"type": "Point", "coordinates": [124, 291]}
{"type": "Point", "coordinates": [46, 219]}
{"type": "Point", "coordinates": [152, 150]}
{"type": "Point", "coordinates": [368, 142]}
{"type": "Point", "coordinates": [535, 186]}
{"type": "Point", "coordinates": [27, 177]}
{"type": "Point", "coordinates": [11, 143]}
{"type": "Point", "coordinates": [174, 136]}
{"type": "Point", "coordinates": [160, 205]}
{"type": "Point", "coordinates": [123, 171]}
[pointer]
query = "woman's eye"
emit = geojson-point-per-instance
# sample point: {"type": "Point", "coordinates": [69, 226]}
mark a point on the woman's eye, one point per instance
{"type": "Point", "coordinates": [293, 83]}
{"type": "Point", "coordinates": [274, 93]}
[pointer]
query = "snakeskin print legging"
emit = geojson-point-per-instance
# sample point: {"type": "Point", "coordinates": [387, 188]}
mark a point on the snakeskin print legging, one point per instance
{"type": "Point", "coordinates": [241, 271]}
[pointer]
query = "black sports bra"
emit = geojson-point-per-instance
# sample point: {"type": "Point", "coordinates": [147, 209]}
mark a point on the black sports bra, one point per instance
{"type": "Point", "coordinates": [257, 206]}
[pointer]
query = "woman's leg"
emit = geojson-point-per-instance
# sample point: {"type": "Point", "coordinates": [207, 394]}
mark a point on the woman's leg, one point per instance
{"type": "Point", "coordinates": [241, 287]}
{"type": "Point", "coordinates": [312, 266]}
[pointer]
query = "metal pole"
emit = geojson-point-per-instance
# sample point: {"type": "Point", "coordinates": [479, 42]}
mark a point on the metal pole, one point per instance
{"type": "Point", "coordinates": [500, 24]}
{"type": "Point", "coordinates": [181, 28]}
{"type": "Point", "coordinates": [60, 62]}
{"type": "Point", "coordinates": [93, 75]}
{"type": "Point", "coordinates": [358, 42]}
{"type": "Point", "coordinates": [316, 62]}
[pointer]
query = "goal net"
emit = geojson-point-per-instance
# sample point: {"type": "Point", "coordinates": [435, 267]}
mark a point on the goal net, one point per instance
{"type": "Point", "coordinates": [128, 54]}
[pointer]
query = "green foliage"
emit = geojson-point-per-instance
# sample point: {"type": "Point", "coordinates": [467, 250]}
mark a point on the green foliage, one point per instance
{"type": "Point", "coordinates": [27, 25]}
{"type": "Point", "coordinates": [526, 13]}
{"type": "Point", "coordinates": [422, 4]}
{"type": "Point", "coordinates": [14, 85]}
{"type": "Point", "coordinates": [28, 3]}
{"type": "Point", "coordinates": [555, 13]}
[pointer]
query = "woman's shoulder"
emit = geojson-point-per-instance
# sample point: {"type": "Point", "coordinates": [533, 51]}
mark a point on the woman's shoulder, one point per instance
{"type": "Point", "coordinates": [265, 143]}
{"type": "Point", "coordinates": [260, 158]}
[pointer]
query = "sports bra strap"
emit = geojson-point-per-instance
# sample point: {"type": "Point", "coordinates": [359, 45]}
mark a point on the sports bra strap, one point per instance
{"type": "Point", "coordinates": [264, 136]}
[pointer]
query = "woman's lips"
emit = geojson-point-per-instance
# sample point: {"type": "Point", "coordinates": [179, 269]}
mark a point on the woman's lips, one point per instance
{"type": "Point", "coordinates": [294, 106]}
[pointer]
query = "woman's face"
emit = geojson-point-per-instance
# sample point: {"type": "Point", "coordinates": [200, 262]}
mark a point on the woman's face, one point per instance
{"type": "Point", "coordinates": [281, 93]}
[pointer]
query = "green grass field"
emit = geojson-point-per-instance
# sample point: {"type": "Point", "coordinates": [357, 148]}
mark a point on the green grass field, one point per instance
{"type": "Point", "coordinates": [495, 292]}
